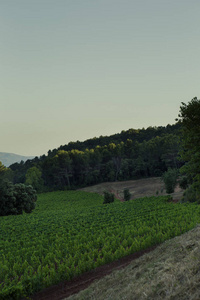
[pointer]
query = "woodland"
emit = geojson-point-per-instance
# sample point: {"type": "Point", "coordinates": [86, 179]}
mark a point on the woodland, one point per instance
{"type": "Point", "coordinates": [127, 155]}
{"type": "Point", "coordinates": [131, 154]}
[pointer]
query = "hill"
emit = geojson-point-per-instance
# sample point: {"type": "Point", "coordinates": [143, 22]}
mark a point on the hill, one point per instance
{"type": "Point", "coordinates": [8, 159]}
{"type": "Point", "coordinates": [131, 154]}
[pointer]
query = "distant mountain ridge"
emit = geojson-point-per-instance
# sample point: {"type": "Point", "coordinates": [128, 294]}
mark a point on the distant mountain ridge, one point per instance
{"type": "Point", "coordinates": [8, 159]}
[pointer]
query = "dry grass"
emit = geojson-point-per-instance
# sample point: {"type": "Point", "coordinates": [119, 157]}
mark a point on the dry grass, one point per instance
{"type": "Point", "coordinates": [171, 271]}
{"type": "Point", "coordinates": [138, 188]}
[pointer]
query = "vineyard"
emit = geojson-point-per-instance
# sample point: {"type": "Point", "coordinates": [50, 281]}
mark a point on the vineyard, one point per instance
{"type": "Point", "coordinates": [72, 232]}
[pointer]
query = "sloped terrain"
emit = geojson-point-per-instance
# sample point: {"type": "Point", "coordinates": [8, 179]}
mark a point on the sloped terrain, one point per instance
{"type": "Point", "coordinates": [171, 271]}
{"type": "Point", "coordinates": [145, 187]}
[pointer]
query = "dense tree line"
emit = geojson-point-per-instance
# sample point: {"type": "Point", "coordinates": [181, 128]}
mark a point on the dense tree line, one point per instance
{"type": "Point", "coordinates": [138, 135]}
{"type": "Point", "coordinates": [128, 155]}
{"type": "Point", "coordinates": [131, 154]}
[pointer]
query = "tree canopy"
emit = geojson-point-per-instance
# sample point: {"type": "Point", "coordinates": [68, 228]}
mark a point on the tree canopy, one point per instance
{"type": "Point", "coordinates": [2, 168]}
{"type": "Point", "coordinates": [127, 155]}
{"type": "Point", "coordinates": [189, 118]}
{"type": "Point", "coordinates": [16, 199]}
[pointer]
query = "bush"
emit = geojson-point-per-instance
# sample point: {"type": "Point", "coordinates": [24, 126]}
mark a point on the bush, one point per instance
{"type": "Point", "coordinates": [108, 198]}
{"type": "Point", "coordinates": [170, 180]}
{"type": "Point", "coordinates": [183, 182]}
{"type": "Point", "coordinates": [25, 197]}
{"type": "Point", "coordinates": [191, 194]}
{"type": "Point", "coordinates": [127, 195]}
{"type": "Point", "coordinates": [14, 199]}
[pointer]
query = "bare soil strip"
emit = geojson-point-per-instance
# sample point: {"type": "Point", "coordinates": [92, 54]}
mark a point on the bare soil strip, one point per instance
{"type": "Point", "coordinates": [65, 289]}
{"type": "Point", "coordinates": [170, 272]}
{"type": "Point", "coordinates": [139, 188]}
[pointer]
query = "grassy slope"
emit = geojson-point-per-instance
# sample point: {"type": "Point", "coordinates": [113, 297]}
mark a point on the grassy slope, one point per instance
{"type": "Point", "coordinates": [138, 188]}
{"type": "Point", "coordinates": [171, 271]}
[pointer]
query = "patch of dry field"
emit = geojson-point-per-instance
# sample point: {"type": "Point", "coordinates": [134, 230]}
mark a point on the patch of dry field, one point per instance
{"type": "Point", "coordinates": [171, 271]}
{"type": "Point", "coordinates": [138, 188]}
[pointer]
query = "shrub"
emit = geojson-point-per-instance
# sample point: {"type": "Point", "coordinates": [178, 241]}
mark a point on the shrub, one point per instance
{"type": "Point", "coordinates": [108, 198]}
{"type": "Point", "coordinates": [191, 194]}
{"type": "Point", "coordinates": [25, 197]}
{"type": "Point", "coordinates": [183, 182]}
{"type": "Point", "coordinates": [14, 199]}
{"type": "Point", "coordinates": [170, 180]}
{"type": "Point", "coordinates": [127, 195]}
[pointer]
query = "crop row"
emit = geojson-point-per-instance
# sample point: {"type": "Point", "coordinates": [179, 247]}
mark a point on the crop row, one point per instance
{"type": "Point", "coordinates": [72, 232]}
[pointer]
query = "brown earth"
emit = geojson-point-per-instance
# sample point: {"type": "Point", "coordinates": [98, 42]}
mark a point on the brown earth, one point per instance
{"type": "Point", "coordinates": [169, 272]}
{"type": "Point", "coordinates": [138, 188]}
{"type": "Point", "coordinates": [68, 288]}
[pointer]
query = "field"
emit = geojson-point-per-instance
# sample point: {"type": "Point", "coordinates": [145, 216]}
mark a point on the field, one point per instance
{"type": "Point", "coordinates": [70, 233]}
{"type": "Point", "coordinates": [169, 272]}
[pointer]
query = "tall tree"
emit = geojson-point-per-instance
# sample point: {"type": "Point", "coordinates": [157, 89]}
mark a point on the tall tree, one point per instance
{"type": "Point", "coordinates": [117, 153]}
{"type": "Point", "coordinates": [2, 168]}
{"type": "Point", "coordinates": [14, 199]}
{"type": "Point", "coordinates": [63, 167]}
{"type": "Point", "coordinates": [34, 178]}
{"type": "Point", "coordinates": [5, 173]}
{"type": "Point", "coordinates": [189, 117]}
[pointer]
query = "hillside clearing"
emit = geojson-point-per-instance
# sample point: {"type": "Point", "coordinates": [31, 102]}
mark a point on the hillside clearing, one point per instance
{"type": "Point", "coordinates": [171, 271]}
{"type": "Point", "coordinates": [145, 187]}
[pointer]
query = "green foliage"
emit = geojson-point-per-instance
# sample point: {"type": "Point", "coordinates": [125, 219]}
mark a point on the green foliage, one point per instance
{"type": "Point", "coordinates": [108, 197]}
{"type": "Point", "coordinates": [183, 182]}
{"type": "Point", "coordinates": [5, 173]}
{"type": "Point", "coordinates": [127, 195]}
{"type": "Point", "coordinates": [128, 155]}
{"type": "Point", "coordinates": [192, 194]}
{"type": "Point", "coordinates": [189, 118]}
{"type": "Point", "coordinates": [170, 180]}
{"type": "Point", "coordinates": [34, 178]}
{"type": "Point", "coordinates": [16, 199]}
{"type": "Point", "coordinates": [7, 199]}
{"type": "Point", "coordinates": [71, 232]}
{"type": "Point", "coordinates": [2, 168]}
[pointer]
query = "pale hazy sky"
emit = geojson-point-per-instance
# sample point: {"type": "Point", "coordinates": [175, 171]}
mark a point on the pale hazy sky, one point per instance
{"type": "Point", "coordinates": [75, 69]}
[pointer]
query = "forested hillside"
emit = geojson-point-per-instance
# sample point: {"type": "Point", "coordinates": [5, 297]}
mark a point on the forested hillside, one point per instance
{"type": "Point", "coordinates": [127, 155]}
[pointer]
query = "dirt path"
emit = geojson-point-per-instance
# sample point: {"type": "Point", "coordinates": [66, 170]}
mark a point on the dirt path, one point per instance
{"type": "Point", "coordinates": [170, 272]}
{"type": "Point", "coordinates": [66, 289]}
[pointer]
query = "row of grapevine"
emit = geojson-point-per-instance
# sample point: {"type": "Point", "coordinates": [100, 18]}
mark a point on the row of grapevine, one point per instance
{"type": "Point", "coordinates": [70, 233]}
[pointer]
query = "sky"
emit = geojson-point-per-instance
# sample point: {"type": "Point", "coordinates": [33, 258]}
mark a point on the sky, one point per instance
{"type": "Point", "coordinates": [77, 69]}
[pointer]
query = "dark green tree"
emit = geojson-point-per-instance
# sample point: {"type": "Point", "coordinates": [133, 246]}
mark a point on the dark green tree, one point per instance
{"type": "Point", "coordinates": [5, 173]}
{"type": "Point", "coordinates": [63, 170]}
{"type": "Point", "coordinates": [127, 195]}
{"type": "Point", "coordinates": [2, 168]}
{"type": "Point", "coordinates": [14, 199]}
{"type": "Point", "coordinates": [189, 118]}
{"type": "Point", "coordinates": [108, 197]}
{"type": "Point", "coordinates": [34, 178]}
{"type": "Point", "coordinates": [170, 180]}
